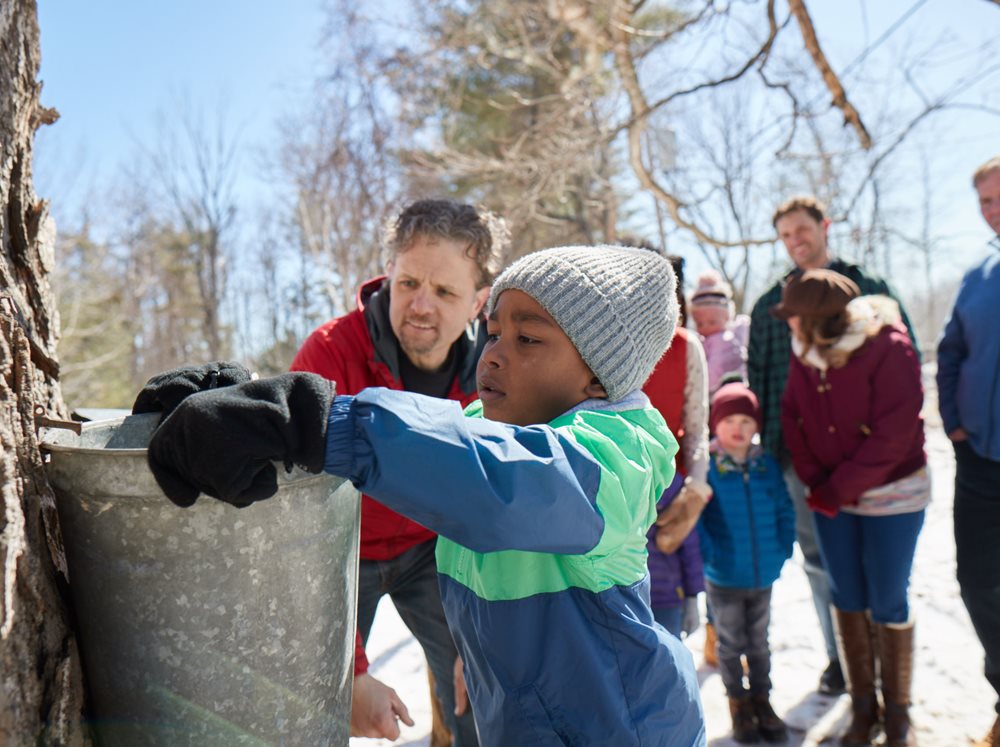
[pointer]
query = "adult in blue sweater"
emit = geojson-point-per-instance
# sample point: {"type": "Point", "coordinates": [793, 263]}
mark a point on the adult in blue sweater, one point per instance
{"type": "Point", "coordinates": [968, 382]}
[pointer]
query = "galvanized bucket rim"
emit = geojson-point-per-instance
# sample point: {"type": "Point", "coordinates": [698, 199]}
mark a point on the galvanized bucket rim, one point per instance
{"type": "Point", "coordinates": [47, 445]}
{"type": "Point", "coordinates": [51, 441]}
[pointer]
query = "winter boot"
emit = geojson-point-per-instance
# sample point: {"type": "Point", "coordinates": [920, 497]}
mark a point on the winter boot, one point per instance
{"type": "Point", "coordinates": [711, 646]}
{"type": "Point", "coordinates": [744, 723]}
{"type": "Point", "coordinates": [769, 725]}
{"type": "Point", "coordinates": [831, 682]}
{"type": "Point", "coordinates": [993, 738]}
{"type": "Point", "coordinates": [895, 644]}
{"type": "Point", "coordinates": [854, 634]}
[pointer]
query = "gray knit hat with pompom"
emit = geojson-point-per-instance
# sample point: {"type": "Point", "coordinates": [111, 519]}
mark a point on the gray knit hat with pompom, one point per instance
{"type": "Point", "coordinates": [616, 304]}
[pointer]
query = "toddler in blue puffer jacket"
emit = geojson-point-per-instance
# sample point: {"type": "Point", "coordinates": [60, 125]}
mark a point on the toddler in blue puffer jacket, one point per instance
{"type": "Point", "coordinates": [746, 532]}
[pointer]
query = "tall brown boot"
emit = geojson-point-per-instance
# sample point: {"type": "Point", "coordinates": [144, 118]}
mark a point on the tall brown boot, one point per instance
{"type": "Point", "coordinates": [896, 656]}
{"type": "Point", "coordinates": [854, 632]}
{"type": "Point", "coordinates": [744, 720]}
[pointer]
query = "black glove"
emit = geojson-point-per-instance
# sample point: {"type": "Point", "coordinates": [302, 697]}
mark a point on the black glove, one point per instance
{"type": "Point", "coordinates": [166, 390]}
{"type": "Point", "coordinates": [222, 442]}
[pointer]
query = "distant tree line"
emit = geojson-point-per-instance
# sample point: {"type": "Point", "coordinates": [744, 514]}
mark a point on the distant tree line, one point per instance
{"type": "Point", "coordinates": [579, 120]}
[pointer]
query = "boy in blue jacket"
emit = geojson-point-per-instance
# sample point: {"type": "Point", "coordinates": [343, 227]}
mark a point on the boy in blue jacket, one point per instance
{"type": "Point", "coordinates": [541, 492]}
{"type": "Point", "coordinates": [747, 532]}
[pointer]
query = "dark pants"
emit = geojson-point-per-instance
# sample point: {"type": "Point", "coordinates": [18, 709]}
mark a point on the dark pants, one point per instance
{"type": "Point", "coordinates": [869, 559]}
{"type": "Point", "coordinates": [977, 545]}
{"type": "Point", "coordinates": [742, 617]}
{"type": "Point", "coordinates": [411, 582]}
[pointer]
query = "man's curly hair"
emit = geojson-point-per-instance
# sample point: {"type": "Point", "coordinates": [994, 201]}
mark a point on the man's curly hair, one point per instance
{"type": "Point", "coordinates": [815, 209]}
{"type": "Point", "coordinates": [486, 234]}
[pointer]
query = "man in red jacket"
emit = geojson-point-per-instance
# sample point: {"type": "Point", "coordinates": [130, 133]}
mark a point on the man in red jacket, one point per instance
{"type": "Point", "coordinates": [415, 329]}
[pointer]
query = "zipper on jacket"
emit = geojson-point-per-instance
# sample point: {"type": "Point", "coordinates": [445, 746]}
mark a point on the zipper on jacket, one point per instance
{"type": "Point", "coordinates": [753, 528]}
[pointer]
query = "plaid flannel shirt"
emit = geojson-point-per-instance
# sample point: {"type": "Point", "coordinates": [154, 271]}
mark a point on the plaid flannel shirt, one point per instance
{"type": "Point", "coordinates": [770, 350]}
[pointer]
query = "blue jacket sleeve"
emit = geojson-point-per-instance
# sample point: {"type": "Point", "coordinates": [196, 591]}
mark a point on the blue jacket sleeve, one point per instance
{"type": "Point", "coordinates": [485, 485]}
{"type": "Point", "coordinates": [785, 510]}
{"type": "Point", "coordinates": [951, 352]}
{"type": "Point", "coordinates": [705, 547]}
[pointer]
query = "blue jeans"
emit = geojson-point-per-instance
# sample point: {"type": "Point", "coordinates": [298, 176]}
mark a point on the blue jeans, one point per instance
{"type": "Point", "coordinates": [869, 559]}
{"type": "Point", "coordinates": [819, 581]}
{"type": "Point", "coordinates": [742, 617]}
{"type": "Point", "coordinates": [411, 582]}
{"type": "Point", "coordinates": [670, 618]}
{"type": "Point", "coordinates": [977, 529]}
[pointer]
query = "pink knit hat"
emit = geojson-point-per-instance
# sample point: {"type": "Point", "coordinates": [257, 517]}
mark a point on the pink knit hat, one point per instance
{"type": "Point", "coordinates": [712, 290]}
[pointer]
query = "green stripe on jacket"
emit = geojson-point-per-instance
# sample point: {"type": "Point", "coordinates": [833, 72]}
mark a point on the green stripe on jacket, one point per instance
{"type": "Point", "coordinates": [635, 450]}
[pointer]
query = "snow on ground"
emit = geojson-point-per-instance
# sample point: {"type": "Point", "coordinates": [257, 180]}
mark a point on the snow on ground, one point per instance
{"type": "Point", "coordinates": [953, 704]}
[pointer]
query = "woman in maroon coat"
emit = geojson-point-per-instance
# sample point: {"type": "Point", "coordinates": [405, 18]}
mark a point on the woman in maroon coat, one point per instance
{"type": "Point", "coordinates": [851, 419]}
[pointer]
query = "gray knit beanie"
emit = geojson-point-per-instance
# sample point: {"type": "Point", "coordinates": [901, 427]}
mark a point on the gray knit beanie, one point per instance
{"type": "Point", "coordinates": [616, 304]}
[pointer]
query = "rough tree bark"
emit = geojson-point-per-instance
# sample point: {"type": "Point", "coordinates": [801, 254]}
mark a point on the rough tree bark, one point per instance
{"type": "Point", "coordinates": [41, 690]}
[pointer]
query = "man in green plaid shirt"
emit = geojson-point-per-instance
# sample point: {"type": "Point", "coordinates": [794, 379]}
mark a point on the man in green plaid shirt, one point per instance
{"type": "Point", "coordinates": [802, 226]}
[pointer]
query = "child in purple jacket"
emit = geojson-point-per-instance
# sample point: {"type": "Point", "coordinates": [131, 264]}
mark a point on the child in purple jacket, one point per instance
{"type": "Point", "coordinates": [675, 579]}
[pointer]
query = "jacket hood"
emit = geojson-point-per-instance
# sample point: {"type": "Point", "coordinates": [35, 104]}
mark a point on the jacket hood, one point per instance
{"type": "Point", "coordinates": [867, 316]}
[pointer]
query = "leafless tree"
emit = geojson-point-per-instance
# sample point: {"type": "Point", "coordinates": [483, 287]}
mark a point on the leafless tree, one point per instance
{"type": "Point", "coordinates": [531, 96]}
{"type": "Point", "coordinates": [96, 341]}
{"type": "Point", "coordinates": [502, 110]}
{"type": "Point", "coordinates": [194, 164]}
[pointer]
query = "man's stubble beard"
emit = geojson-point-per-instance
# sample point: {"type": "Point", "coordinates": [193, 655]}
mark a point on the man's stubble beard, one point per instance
{"type": "Point", "coordinates": [419, 347]}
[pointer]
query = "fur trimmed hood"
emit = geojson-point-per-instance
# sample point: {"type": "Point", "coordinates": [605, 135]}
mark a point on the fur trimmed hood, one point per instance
{"type": "Point", "coordinates": [867, 315]}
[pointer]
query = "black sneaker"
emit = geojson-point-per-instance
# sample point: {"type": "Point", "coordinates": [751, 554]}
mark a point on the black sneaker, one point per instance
{"type": "Point", "coordinates": [831, 682]}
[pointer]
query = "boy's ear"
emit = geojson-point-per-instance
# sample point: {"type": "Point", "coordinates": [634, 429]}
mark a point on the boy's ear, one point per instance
{"type": "Point", "coordinates": [595, 389]}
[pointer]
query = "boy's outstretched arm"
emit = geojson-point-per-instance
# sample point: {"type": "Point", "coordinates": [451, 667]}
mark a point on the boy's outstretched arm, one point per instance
{"type": "Point", "coordinates": [486, 485]}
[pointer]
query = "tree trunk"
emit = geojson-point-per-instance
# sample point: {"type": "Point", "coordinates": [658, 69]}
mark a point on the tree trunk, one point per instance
{"type": "Point", "coordinates": [41, 688]}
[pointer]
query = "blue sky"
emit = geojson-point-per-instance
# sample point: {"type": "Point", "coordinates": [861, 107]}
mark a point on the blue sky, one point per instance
{"type": "Point", "coordinates": [114, 70]}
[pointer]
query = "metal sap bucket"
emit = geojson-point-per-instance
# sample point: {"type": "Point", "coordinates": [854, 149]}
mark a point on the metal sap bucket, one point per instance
{"type": "Point", "coordinates": [211, 624]}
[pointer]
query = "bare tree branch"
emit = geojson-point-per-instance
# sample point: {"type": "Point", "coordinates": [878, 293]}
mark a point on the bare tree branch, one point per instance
{"type": "Point", "coordinates": [930, 108]}
{"type": "Point", "coordinates": [759, 58]}
{"type": "Point", "coordinates": [663, 35]}
{"type": "Point", "coordinates": [638, 122]}
{"type": "Point", "coordinates": [851, 115]}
